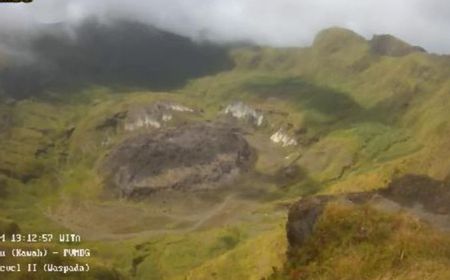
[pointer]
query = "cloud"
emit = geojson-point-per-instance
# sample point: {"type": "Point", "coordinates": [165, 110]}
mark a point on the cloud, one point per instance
{"type": "Point", "coordinates": [269, 22]}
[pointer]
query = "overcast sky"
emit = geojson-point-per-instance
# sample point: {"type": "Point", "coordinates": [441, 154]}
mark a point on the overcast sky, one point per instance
{"type": "Point", "coordinates": [269, 22]}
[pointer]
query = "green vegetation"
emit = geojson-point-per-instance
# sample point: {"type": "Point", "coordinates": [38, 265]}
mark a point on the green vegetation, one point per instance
{"type": "Point", "coordinates": [360, 117]}
{"type": "Point", "coordinates": [362, 243]}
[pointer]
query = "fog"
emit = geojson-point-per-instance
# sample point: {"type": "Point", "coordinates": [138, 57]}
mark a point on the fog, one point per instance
{"type": "Point", "coordinates": [161, 44]}
{"type": "Point", "coordinates": [122, 55]}
{"type": "Point", "coordinates": [267, 22]}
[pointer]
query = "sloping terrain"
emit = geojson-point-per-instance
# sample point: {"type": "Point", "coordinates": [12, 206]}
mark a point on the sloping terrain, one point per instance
{"type": "Point", "coordinates": [233, 150]}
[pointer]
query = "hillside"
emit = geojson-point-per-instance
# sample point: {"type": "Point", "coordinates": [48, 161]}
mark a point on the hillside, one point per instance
{"type": "Point", "coordinates": [196, 180]}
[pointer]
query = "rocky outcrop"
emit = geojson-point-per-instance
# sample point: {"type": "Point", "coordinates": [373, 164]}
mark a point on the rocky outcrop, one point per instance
{"type": "Point", "coordinates": [282, 138]}
{"type": "Point", "coordinates": [153, 116]}
{"type": "Point", "coordinates": [302, 218]}
{"type": "Point", "coordinates": [388, 45]}
{"type": "Point", "coordinates": [421, 196]}
{"type": "Point", "coordinates": [188, 157]}
{"type": "Point", "coordinates": [409, 191]}
{"type": "Point", "coordinates": [242, 111]}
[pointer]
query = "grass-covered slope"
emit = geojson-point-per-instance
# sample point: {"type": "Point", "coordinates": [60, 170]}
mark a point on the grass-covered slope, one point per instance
{"type": "Point", "coordinates": [391, 106]}
{"type": "Point", "coordinates": [359, 242]}
{"type": "Point", "coordinates": [362, 112]}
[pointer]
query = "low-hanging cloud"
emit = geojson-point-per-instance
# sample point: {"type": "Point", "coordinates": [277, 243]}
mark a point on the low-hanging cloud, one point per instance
{"type": "Point", "coordinates": [268, 22]}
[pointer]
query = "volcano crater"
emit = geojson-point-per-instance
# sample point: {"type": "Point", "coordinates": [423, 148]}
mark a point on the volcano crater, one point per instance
{"type": "Point", "coordinates": [187, 157]}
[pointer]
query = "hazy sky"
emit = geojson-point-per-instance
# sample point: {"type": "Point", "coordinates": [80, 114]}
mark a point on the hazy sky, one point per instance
{"type": "Point", "coordinates": [271, 22]}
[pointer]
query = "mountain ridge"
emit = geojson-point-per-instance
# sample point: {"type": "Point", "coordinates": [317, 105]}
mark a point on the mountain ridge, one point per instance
{"type": "Point", "coordinates": [330, 119]}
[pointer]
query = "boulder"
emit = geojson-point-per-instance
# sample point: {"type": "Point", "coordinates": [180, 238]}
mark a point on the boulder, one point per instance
{"type": "Point", "coordinates": [417, 195]}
